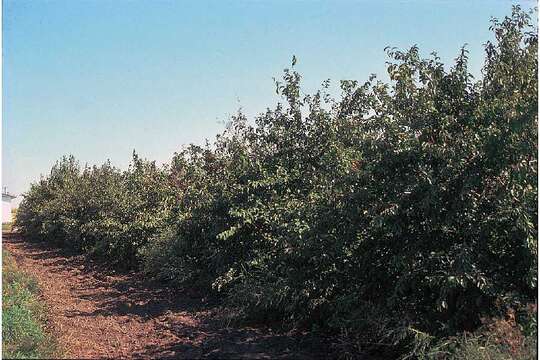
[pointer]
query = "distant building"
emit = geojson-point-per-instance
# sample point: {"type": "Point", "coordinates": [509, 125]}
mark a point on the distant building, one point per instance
{"type": "Point", "coordinates": [6, 206]}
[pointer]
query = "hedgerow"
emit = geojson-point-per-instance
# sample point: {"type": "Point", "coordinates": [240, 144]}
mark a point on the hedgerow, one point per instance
{"type": "Point", "coordinates": [399, 214]}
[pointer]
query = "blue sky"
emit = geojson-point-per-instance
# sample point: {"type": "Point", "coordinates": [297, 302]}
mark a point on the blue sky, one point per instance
{"type": "Point", "coordinates": [98, 79]}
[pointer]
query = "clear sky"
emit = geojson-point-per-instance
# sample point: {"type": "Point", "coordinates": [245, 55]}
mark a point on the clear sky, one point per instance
{"type": "Point", "coordinates": [98, 79]}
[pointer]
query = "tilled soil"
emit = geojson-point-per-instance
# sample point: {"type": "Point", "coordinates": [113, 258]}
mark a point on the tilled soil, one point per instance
{"type": "Point", "coordinates": [97, 313]}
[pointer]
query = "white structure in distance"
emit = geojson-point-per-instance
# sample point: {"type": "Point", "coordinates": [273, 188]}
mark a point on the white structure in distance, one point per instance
{"type": "Point", "coordinates": [6, 206]}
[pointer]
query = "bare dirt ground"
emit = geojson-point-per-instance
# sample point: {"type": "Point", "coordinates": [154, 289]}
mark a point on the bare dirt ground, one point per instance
{"type": "Point", "coordinates": [97, 313]}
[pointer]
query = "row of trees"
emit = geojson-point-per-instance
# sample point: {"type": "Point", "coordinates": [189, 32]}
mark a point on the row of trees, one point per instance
{"type": "Point", "coordinates": [402, 212]}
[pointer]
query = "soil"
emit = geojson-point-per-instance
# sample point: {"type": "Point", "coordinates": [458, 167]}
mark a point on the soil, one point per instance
{"type": "Point", "coordinates": [95, 312]}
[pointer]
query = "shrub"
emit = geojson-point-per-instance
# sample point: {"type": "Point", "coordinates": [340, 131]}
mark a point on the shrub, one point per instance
{"type": "Point", "coordinates": [100, 210]}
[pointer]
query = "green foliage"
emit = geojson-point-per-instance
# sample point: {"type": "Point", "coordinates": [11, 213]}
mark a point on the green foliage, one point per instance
{"type": "Point", "coordinates": [399, 214]}
{"type": "Point", "coordinates": [100, 210]}
{"type": "Point", "coordinates": [511, 337]}
{"type": "Point", "coordinates": [23, 316]}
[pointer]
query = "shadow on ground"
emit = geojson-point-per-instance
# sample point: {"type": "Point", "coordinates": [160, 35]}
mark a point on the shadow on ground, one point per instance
{"type": "Point", "coordinates": [177, 323]}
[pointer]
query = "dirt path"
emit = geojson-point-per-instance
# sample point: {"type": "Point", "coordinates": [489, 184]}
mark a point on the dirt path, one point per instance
{"type": "Point", "coordinates": [97, 313]}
